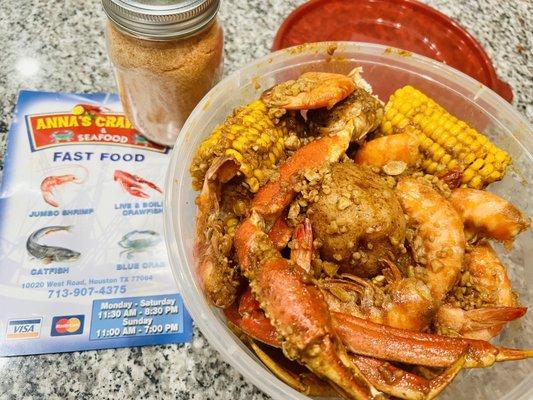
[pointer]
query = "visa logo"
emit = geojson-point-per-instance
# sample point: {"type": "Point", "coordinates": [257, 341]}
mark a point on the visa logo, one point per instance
{"type": "Point", "coordinates": [23, 328]}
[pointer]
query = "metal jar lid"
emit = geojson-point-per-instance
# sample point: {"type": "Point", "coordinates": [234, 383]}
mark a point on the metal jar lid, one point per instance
{"type": "Point", "coordinates": [161, 19]}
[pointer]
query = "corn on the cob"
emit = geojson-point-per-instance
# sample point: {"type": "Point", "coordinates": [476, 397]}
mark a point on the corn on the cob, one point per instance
{"type": "Point", "coordinates": [231, 224]}
{"type": "Point", "coordinates": [251, 138]}
{"type": "Point", "coordinates": [446, 142]}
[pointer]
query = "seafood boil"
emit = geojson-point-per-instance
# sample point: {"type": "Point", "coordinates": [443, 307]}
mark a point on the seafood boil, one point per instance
{"type": "Point", "coordinates": [356, 238]}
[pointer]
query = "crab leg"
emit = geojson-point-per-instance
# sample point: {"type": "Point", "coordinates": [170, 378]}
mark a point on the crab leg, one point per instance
{"type": "Point", "coordinates": [296, 308]}
{"type": "Point", "coordinates": [250, 319]}
{"type": "Point", "coordinates": [384, 342]}
{"type": "Point", "coordinates": [306, 383]}
{"type": "Point", "coordinates": [404, 385]}
{"type": "Point", "coordinates": [272, 198]}
{"type": "Point", "coordinates": [280, 233]}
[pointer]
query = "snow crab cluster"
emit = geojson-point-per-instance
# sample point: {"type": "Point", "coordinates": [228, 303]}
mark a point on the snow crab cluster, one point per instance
{"type": "Point", "coordinates": [375, 277]}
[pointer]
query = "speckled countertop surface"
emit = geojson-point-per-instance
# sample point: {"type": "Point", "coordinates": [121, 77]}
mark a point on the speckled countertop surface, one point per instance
{"type": "Point", "coordinates": [48, 46]}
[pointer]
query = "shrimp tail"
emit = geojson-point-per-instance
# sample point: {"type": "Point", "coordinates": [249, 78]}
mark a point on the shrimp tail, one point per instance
{"type": "Point", "coordinates": [48, 197]}
{"type": "Point", "coordinates": [488, 317]}
{"type": "Point", "coordinates": [302, 254]}
{"type": "Point", "coordinates": [481, 323]}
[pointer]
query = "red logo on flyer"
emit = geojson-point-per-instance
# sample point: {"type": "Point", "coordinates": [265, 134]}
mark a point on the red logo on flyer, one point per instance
{"type": "Point", "coordinates": [67, 325]}
{"type": "Point", "coordinates": [85, 124]}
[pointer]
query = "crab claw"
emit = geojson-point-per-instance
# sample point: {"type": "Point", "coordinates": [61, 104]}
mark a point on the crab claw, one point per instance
{"type": "Point", "coordinates": [404, 385]}
{"type": "Point", "coordinates": [248, 316]}
{"type": "Point", "coordinates": [296, 308]}
{"type": "Point", "coordinates": [310, 91]}
{"type": "Point", "coordinates": [136, 191]}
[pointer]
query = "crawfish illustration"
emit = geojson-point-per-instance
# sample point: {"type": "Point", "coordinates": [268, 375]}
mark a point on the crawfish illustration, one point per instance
{"type": "Point", "coordinates": [134, 184]}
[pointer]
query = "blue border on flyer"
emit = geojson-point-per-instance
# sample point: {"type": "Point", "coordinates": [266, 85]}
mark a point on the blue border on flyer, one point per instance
{"type": "Point", "coordinates": [56, 344]}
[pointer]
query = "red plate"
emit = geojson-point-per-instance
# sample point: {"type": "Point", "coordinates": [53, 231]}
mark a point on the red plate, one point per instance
{"type": "Point", "coordinates": [406, 24]}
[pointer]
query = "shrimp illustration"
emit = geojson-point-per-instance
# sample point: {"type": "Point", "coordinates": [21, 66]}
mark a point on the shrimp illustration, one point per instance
{"type": "Point", "coordinates": [51, 182]}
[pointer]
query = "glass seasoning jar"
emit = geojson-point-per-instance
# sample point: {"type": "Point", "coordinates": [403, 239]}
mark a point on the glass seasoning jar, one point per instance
{"type": "Point", "coordinates": [166, 55]}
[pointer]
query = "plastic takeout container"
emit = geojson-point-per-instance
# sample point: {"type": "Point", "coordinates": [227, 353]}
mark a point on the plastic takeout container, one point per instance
{"type": "Point", "coordinates": [386, 69]}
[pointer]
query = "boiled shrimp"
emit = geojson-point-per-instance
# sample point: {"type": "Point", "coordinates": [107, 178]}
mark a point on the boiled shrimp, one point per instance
{"type": "Point", "coordinates": [411, 303]}
{"type": "Point", "coordinates": [401, 147]}
{"type": "Point", "coordinates": [310, 91]}
{"type": "Point", "coordinates": [407, 303]}
{"type": "Point", "coordinates": [488, 215]}
{"type": "Point", "coordinates": [487, 280]}
{"type": "Point", "coordinates": [440, 245]}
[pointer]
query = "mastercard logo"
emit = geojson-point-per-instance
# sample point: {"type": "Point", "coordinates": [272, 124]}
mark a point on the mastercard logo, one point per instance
{"type": "Point", "coordinates": [67, 325]}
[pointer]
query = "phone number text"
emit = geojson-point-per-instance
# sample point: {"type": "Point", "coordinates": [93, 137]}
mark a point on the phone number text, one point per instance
{"type": "Point", "coordinates": [87, 291]}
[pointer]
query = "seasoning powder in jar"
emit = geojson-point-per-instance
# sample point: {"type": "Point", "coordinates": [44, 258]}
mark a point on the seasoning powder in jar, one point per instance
{"type": "Point", "coordinates": [166, 55]}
